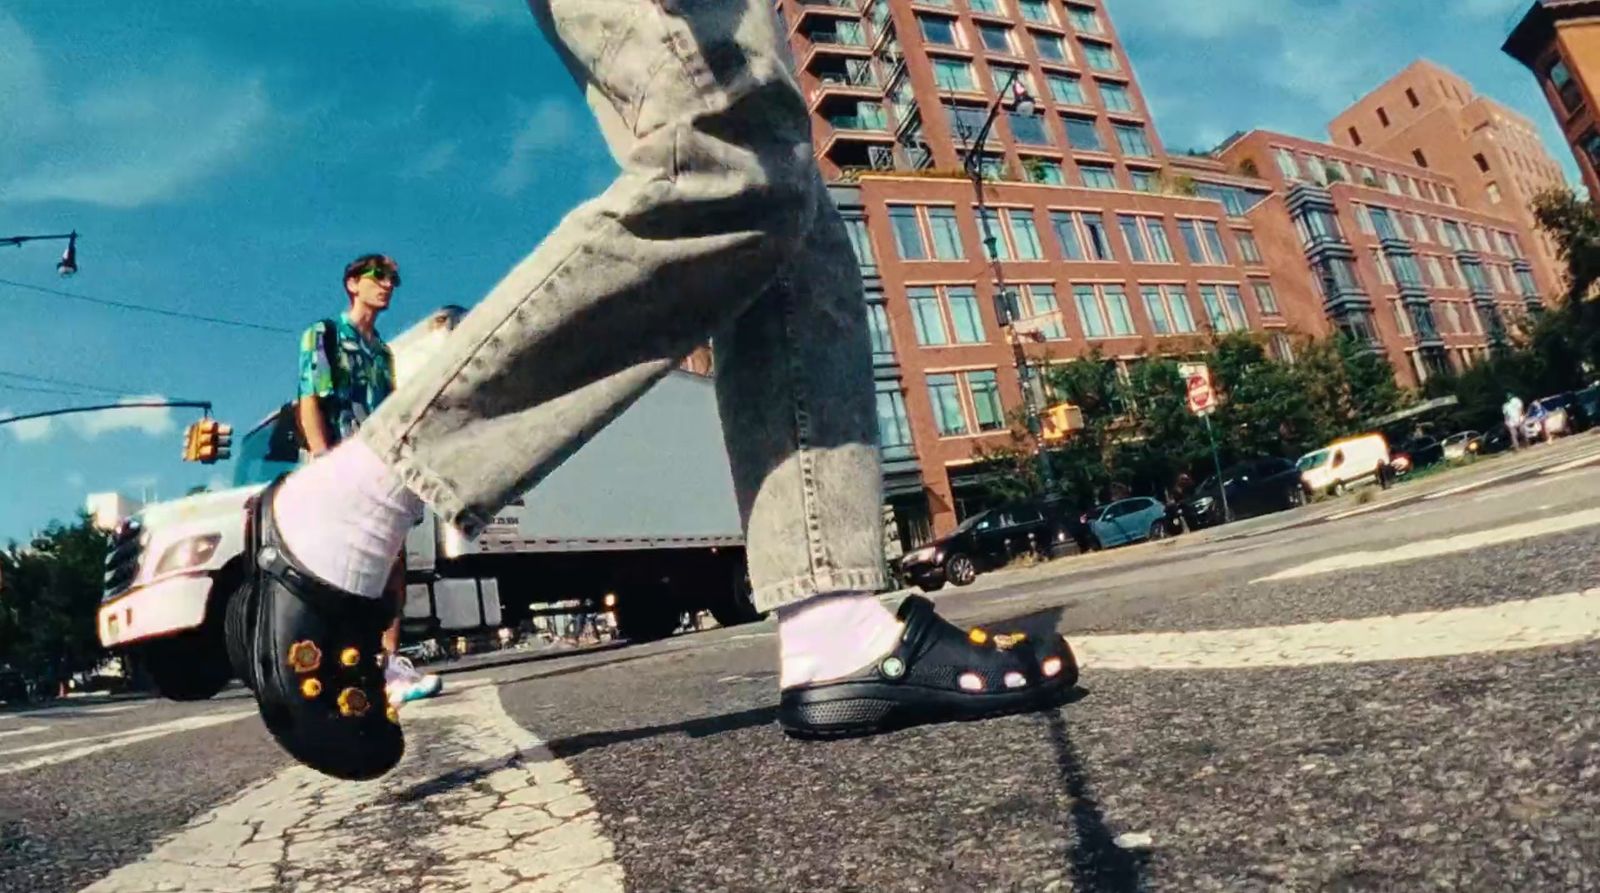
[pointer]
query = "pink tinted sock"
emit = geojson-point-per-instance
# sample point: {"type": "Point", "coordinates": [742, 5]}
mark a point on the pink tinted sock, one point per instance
{"type": "Point", "coordinates": [829, 636]}
{"type": "Point", "coordinates": [345, 516]}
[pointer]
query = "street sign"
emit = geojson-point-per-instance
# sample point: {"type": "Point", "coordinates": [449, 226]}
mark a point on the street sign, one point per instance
{"type": "Point", "coordinates": [1197, 379]}
{"type": "Point", "coordinates": [1037, 327]}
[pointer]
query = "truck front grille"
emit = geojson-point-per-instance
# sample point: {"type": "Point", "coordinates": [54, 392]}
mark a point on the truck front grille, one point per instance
{"type": "Point", "coordinates": [122, 562]}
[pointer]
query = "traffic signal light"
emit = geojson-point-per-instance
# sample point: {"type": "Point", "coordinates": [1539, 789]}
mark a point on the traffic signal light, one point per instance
{"type": "Point", "coordinates": [207, 441]}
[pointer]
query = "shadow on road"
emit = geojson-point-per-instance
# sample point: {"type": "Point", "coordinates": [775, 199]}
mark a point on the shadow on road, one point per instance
{"type": "Point", "coordinates": [703, 727]}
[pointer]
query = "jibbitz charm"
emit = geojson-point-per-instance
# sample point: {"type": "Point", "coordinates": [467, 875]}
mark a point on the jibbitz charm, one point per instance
{"type": "Point", "coordinates": [350, 657]}
{"type": "Point", "coordinates": [352, 702]}
{"type": "Point", "coordinates": [393, 715]}
{"type": "Point", "coordinates": [310, 688]}
{"type": "Point", "coordinates": [892, 667]}
{"type": "Point", "coordinates": [305, 656]}
{"type": "Point", "coordinates": [1004, 642]}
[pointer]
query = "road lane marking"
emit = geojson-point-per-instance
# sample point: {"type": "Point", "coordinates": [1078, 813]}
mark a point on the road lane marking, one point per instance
{"type": "Point", "coordinates": [25, 730]}
{"type": "Point", "coordinates": [1474, 485]}
{"type": "Point", "coordinates": [1508, 626]}
{"type": "Point", "coordinates": [64, 751]}
{"type": "Point", "coordinates": [1575, 463]}
{"type": "Point", "coordinates": [478, 803]}
{"type": "Point", "coordinates": [1433, 548]}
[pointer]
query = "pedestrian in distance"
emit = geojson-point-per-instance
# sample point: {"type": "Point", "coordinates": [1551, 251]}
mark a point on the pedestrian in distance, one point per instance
{"type": "Point", "coordinates": [717, 228]}
{"type": "Point", "coordinates": [346, 371]}
{"type": "Point", "coordinates": [1513, 413]}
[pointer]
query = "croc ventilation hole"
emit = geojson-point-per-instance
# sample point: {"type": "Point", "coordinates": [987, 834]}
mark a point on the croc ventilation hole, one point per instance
{"type": "Point", "coordinates": [1015, 679]}
{"type": "Point", "coordinates": [1051, 666]}
{"type": "Point", "coordinates": [970, 682]}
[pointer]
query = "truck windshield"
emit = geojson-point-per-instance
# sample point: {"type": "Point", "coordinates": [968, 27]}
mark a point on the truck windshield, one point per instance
{"type": "Point", "coordinates": [258, 460]}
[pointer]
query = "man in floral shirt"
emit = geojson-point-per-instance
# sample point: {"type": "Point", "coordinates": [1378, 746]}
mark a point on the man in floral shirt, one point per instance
{"type": "Point", "coordinates": [346, 370]}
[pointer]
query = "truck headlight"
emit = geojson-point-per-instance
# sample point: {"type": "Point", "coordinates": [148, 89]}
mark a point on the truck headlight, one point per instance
{"type": "Point", "coordinates": [923, 554]}
{"type": "Point", "coordinates": [189, 552]}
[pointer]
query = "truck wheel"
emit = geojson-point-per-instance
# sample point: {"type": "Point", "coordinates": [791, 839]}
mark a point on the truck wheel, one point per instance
{"type": "Point", "coordinates": [191, 666]}
{"type": "Point", "coordinates": [236, 632]}
{"type": "Point", "coordinates": [647, 613]}
{"type": "Point", "coordinates": [733, 606]}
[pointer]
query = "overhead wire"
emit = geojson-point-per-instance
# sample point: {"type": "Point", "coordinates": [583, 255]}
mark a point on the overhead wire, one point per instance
{"type": "Point", "coordinates": [141, 308]}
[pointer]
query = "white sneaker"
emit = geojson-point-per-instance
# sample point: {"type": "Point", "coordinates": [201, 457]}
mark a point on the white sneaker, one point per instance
{"type": "Point", "coordinates": [404, 683]}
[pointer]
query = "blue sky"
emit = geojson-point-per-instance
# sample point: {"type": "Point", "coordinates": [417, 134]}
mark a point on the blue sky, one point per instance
{"type": "Point", "coordinates": [228, 159]}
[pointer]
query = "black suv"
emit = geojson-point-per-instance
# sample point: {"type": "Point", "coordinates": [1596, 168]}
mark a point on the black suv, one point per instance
{"type": "Point", "coordinates": [1256, 487]}
{"type": "Point", "coordinates": [990, 539]}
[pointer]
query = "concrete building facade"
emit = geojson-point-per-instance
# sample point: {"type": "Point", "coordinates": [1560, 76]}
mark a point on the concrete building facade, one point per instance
{"type": "Point", "coordinates": [1559, 41]}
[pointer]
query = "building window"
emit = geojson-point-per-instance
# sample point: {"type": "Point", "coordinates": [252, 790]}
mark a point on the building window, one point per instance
{"type": "Point", "coordinates": [1028, 128]}
{"type": "Point", "coordinates": [1266, 299]}
{"type": "Point", "coordinates": [965, 321]}
{"type": "Point", "coordinates": [1085, 20]}
{"type": "Point", "coordinates": [945, 395]}
{"type": "Point", "coordinates": [1036, 11]}
{"type": "Point", "coordinates": [1214, 312]}
{"type": "Point", "coordinates": [894, 426]}
{"type": "Point", "coordinates": [1066, 228]}
{"type": "Point", "coordinates": [1421, 159]}
{"type": "Point", "coordinates": [1412, 96]}
{"type": "Point", "coordinates": [938, 31]}
{"type": "Point", "coordinates": [1287, 165]}
{"type": "Point", "coordinates": [1190, 234]}
{"type": "Point", "coordinates": [1098, 176]}
{"type": "Point", "coordinates": [1224, 308]}
{"type": "Point", "coordinates": [997, 39]}
{"type": "Point", "coordinates": [985, 389]}
{"type": "Point", "coordinates": [1130, 233]}
{"type": "Point", "coordinates": [953, 74]}
{"type": "Point", "coordinates": [1096, 238]}
{"type": "Point", "coordinates": [1143, 181]}
{"type": "Point", "coordinates": [1082, 133]}
{"type": "Point", "coordinates": [991, 7]}
{"type": "Point", "coordinates": [878, 329]}
{"type": "Point", "coordinates": [907, 232]}
{"type": "Point", "coordinates": [1116, 96]}
{"type": "Point", "coordinates": [1420, 228]}
{"type": "Point", "coordinates": [946, 234]}
{"type": "Point", "coordinates": [1281, 348]}
{"type": "Point", "coordinates": [927, 316]}
{"type": "Point", "coordinates": [1001, 75]}
{"type": "Point", "coordinates": [1024, 234]}
{"type": "Point", "coordinates": [861, 243]}
{"type": "Point", "coordinates": [1042, 298]}
{"type": "Point", "coordinates": [1066, 88]}
{"type": "Point", "coordinates": [1383, 116]}
{"type": "Point", "coordinates": [1355, 136]}
{"type": "Point", "coordinates": [1481, 162]}
{"type": "Point", "coordinates": [1155, 306]}
{"type": "Point", "coordinates": [1217, 254]}
{"type": "Point", "coordinates": [1117, 310]}
{"type": "Point", "coordinates": [1104, 310]}
{"type": "Point", "coordinates": [989, 229]}
{"type": "Point", "coordinates": [1132, 139]}
{"type": "Point", "coordinates": [1050, 48]}
{"type": "Point", "coordinates": [1249, 249]}
{"type": "Point", "coordinates": [1101, 58]}
{"type": "Point", "coordinates": [1566, 86]}
{"type": "Point", "coordinates": [1435, 271]}
{"type": "Point", "coordinates": [965, 121]}
{"type": "Point", "coordinates": [1155, 230]}
{"type": "Point", "coordinates": [1233, 301]}
{"type": "Point", "coordinates": [1385, 274]}
{"type": "Point", "coordinates": [1044, 170]}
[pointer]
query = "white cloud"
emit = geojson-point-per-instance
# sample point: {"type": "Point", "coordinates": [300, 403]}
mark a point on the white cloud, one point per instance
{"type": "Point", "coordinates": [153, 421]}
{"type": "Point", "coordinates": [550, 128]}
{"type": "Point", "coordinates": [30, 430]}
{"type": "Point", "coordinates": [129, 138]}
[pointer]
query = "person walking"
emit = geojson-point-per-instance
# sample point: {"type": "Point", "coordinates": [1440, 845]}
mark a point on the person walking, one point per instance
{"type": "Point", "coordinates": [1513, 413]}
{"type": "Point", "coordinates": [346, 371]}
{"type": "Point", "coordinates": [718, 228]}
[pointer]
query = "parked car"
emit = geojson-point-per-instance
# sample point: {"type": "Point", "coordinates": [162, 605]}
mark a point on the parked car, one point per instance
{"type": "Point", "coordinates": [1132, 520]}
{"type": "Point", "coordinates": [15, 688]}
{"type": "Point", "coordinates": [1497, 440]}
{"type": "Point", "coordinates": [1462, 444]}
{"type": "Point", "coordinates": [1588, 404]}
{"type": "Point", "coordinates": [1336, 466]}
{"type": "Point", "coordinates": [1256, 487]}
{"type": "Point", "coordinates": [990, 539]}
{"type": "Point", "coordinates": [1550, 417]}
{"type": "Point", "coordinates": [1418, 452]}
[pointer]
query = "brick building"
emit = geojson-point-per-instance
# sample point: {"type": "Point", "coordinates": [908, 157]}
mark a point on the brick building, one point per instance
{"type": "Point", "coordinates": [1559, 41]}
{"type": "Point", "coordinates": [1429, 117]}
{"type": "Point", "coordinates": [1084, 210]}
{"type": "Point", "coordinates": [1141, 252]}
{"type": "Point", "coordinates": [1396, 253]}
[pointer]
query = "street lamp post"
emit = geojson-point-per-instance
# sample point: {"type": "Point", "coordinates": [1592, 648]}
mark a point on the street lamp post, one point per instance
{"type": "Point", "coordinates": [69, 258]}
{"type": "Point", "coordinates": [1005, 310]}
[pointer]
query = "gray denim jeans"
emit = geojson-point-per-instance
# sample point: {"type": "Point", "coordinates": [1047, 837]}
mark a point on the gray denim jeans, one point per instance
{"type": "Point", "coordinates": [719, 227]}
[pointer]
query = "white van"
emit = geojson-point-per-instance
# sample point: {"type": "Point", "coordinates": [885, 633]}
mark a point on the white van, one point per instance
{"type": "Point", "coordinates": [1336, 466]}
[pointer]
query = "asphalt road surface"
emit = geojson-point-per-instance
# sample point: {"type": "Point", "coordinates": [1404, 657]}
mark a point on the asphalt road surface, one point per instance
{"type": "Point", "coordinates": [1396, 695]}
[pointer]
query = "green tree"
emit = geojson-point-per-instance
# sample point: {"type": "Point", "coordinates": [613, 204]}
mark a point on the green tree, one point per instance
{"type": "Point", "coordinates": [49, 593]}
{"type": "Point", "coordinates": [1574, 226]}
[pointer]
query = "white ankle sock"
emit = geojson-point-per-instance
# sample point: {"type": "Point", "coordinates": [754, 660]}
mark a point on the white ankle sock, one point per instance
{"type": "Point", "coordinates": [829, 636]}
{"type": "Point", "coordinates": [345, 516]}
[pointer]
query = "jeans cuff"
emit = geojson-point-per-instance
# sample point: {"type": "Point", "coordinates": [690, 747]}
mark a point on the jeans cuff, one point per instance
{"type": "Point", "coordinates": [786, 592]}
{"type": "Point", "coordinates": [438, 493]}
